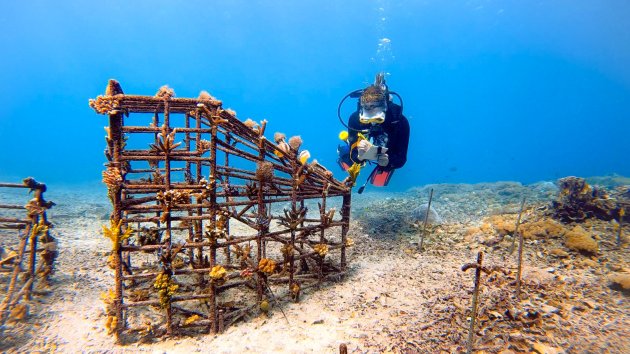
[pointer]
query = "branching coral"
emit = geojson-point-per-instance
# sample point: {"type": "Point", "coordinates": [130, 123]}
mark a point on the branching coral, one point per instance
{"type": "Point", "coordinates": [243, 255]}
{"type": "Point", "coordinates": [219, 230]}
{"type": "Point", "coordinates": [251, 190]}
{"type": "Point", "coordinates": [113, 233]}
{"type": "Point", "coordinates": [293, 218]}
{"type": "Point", "coordinates": [326, 216]}
{"type": "Point", "coordinates": [33, 208]}
{"type": "Point", "coordinates": [166, 141]}
{"type": "Point", "coordinates": [204, 145]}
{"type": "Point", "coordinates": [139, 295]}
{"type": "Point", "coordinates": [149, 236]}
{"type": "Point", "coordinates": [171, 197]}
{"type": "Point", "coordinates": [112, 177]}
{"type": "Point", "coordinates": [105, 104]}
{"type": "Point", "coordinates": [353, 173]}
{"type": "Point", "coordinates": [279, 137]}
{"type": "Point", "coordinates": [158, 178]}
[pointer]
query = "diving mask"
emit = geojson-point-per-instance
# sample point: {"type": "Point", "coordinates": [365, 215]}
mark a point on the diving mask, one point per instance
{"type": "Point", "coordinates": [373, 112]}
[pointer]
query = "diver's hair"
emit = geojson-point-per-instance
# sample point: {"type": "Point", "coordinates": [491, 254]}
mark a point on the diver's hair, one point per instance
{"type": "Point", "coordinates": [372, 94]}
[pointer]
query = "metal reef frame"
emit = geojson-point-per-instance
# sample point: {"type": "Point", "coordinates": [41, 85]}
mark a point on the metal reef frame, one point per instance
{"type": "Point", "coordinates": [186, 206]}
{"type": "Point", "coordinates": [36, 248]}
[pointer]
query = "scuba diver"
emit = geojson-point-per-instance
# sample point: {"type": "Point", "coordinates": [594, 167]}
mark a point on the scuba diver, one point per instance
{"type": "Point", "coordinates": [378, 133]}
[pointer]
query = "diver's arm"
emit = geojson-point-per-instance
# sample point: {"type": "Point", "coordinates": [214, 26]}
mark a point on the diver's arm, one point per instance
{"type": "Point", "coordinates": [399, 144]}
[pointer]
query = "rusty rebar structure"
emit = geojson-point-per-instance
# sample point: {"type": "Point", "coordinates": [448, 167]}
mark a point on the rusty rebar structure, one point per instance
{"type": "Point", "coordinates": [27, 249]}
{"type": "Point", "coordinates": [195, 191]}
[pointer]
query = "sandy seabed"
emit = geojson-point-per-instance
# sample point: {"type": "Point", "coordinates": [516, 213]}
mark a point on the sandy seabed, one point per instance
{"type": "Point", "coordinates": [394, 298]}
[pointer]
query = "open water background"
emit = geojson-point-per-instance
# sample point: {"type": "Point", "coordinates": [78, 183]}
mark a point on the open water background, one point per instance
{"type": "Point", "coordinates": [494, 90]}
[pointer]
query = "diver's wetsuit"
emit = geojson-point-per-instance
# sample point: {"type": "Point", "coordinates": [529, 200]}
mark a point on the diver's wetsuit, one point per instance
{"type": "Point", "coordinates": [392, 134]}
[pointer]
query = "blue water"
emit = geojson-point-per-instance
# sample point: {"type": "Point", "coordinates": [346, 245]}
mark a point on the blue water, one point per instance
{"type": "Point", "coordinates": [494, 90]}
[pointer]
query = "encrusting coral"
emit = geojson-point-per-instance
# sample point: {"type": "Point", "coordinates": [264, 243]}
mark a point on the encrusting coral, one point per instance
{"type": "Point", "coordinates": [505, 225]}
{"type": "Point", "coordinates": [321, 249]}
{"type": "Point", "coordinates": [166, 288]}
{"type": "Point", "coordinates": [218, 273]}
{"type": "Point", "coordinates": [544, 228]}
{"type": "Point", "coordinates": [111, 323]}
{"type": "Point", "coordinates": [192, 319]}
{"type": "Point", "coordinates": [267, 266]}
{"type": "Point", "coordinates": [621, 279]}
{"type": "Point", "coordinates": [578, 239]}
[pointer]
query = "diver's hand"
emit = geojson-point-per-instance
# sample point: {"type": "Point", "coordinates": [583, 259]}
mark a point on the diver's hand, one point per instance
{"type": "Point", "coordinates": [368, 151]}
{"type": "Point", "coordinates": [383, 160]}
{"type": "Point", "coordinates": [362, 149]}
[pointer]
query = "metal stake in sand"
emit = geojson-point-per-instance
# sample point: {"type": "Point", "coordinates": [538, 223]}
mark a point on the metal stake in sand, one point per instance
{"type": "Point", "coordinates": [343, 348]}
{"type": "Point", "coordinates": [622, 212]}
{"type": "Point", "coordinates": [426, 219]}
{"type": "Point", "coordinates": [520, 264]}
{"type": "Point", "coordinates": [473, 311]}
{"type": "Point", "coordinates": [518, 222]}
